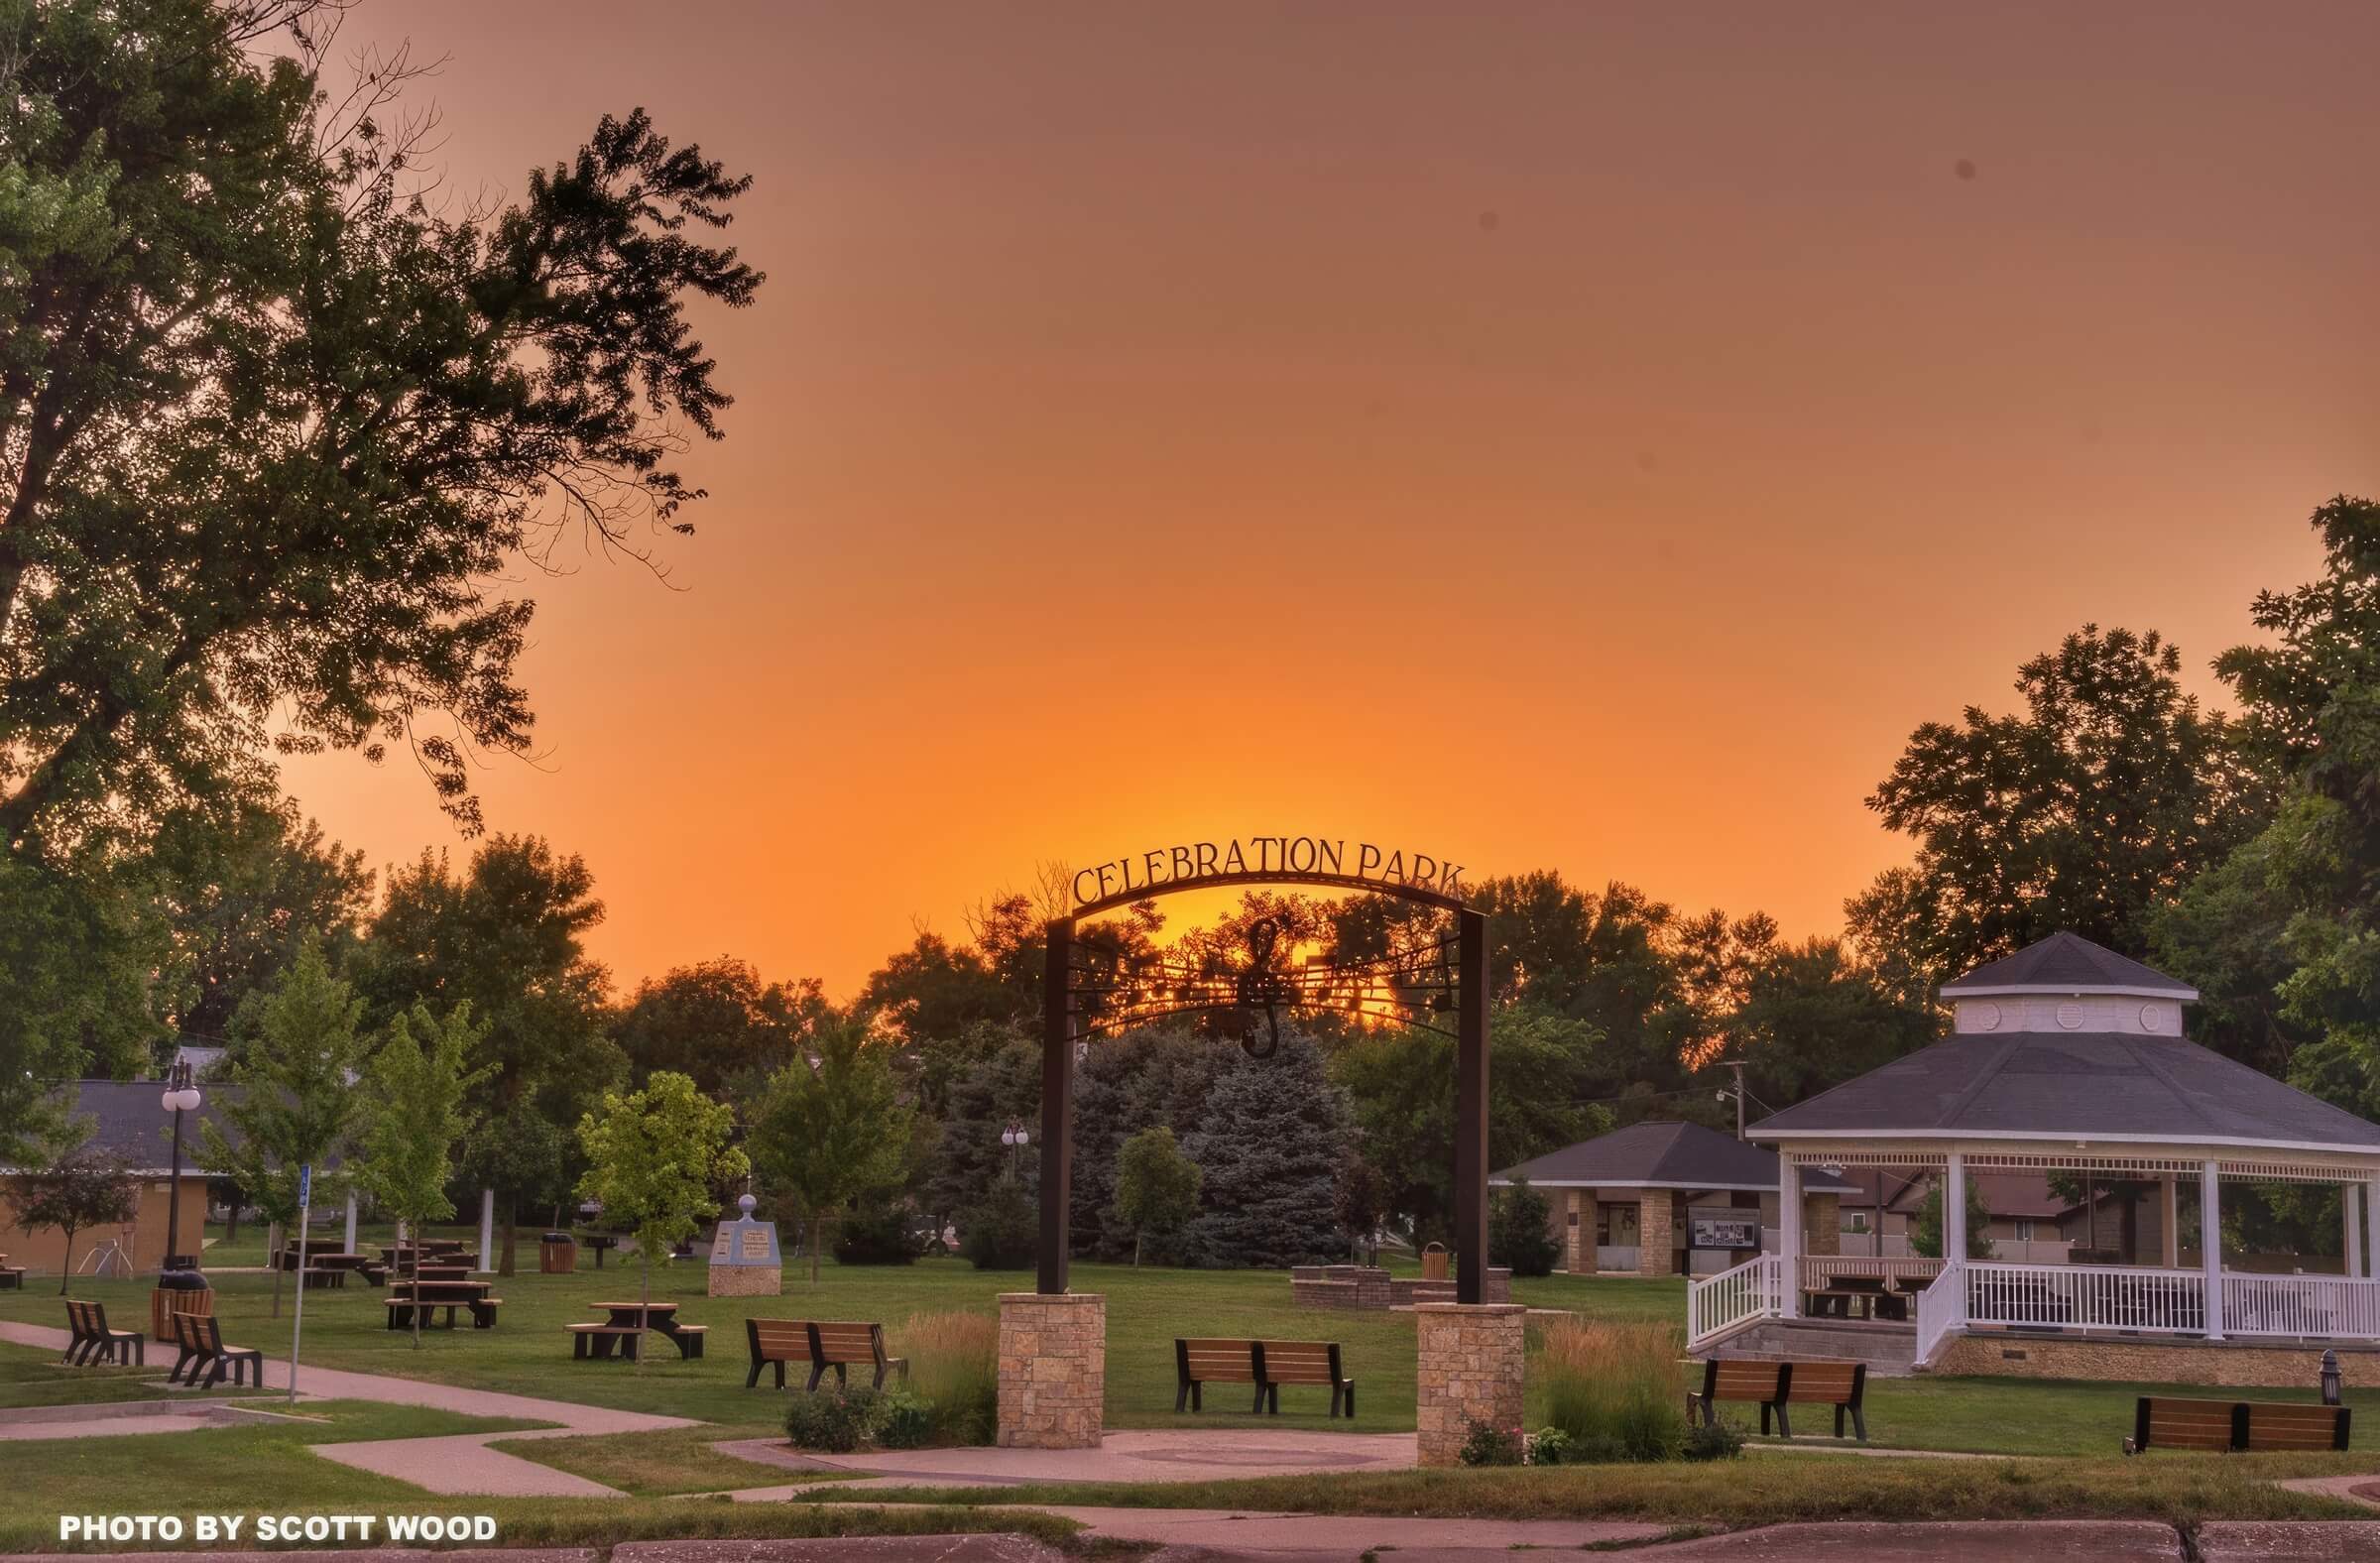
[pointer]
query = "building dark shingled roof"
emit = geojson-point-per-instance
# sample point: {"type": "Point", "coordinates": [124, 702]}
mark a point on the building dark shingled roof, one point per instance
{"type": "Point", "coordinates": [1679, 1156]}
{"type": "Point", "coordinates": [2075, 1085]}
{"type": "Point", "coordinates": [2066, 963]}
{"type": "Point", "coordinates": [128, 1124]}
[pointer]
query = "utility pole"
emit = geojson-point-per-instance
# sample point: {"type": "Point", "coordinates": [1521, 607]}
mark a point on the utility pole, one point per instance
{"type": "Point", "coordinates": [1735, 1065]}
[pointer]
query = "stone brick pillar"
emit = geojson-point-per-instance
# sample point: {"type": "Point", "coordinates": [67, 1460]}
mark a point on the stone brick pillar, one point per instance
{"type": "Point", "coordinates": [1473, 1357]}
{"type": "Point", "coordinates": [1655, 1230]}
{"type": "Point", "coordinates": [1582, 1236]}
{"type": "Point", "coordinates": [1823, 1225]}
{"type": "Point", "coordinates": [1053, 1370]}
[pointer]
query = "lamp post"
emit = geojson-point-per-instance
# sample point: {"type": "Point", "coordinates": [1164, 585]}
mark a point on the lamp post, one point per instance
{"type": "Point", "coordinates": [1016, 1137]}
{"type": "Point", "coordinates": [180, 1097]}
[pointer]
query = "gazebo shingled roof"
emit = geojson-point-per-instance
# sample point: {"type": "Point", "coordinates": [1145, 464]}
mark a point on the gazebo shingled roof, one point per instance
{"type": "Point", "coordinates": [2084, 1084]}
{"type": "Point", "coordinates": [1662, 1155]}
{"type": "Point", "coordinates": [2066, 963]}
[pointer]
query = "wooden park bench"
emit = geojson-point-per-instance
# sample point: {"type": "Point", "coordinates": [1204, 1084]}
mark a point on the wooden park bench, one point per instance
{"type": "Point", "coordinates": [90, 1340]}
{"type": "Point", "coordinates": [821, 1342]}
{"type": "Point", "coordinates": [2246, 1426]}
{"type": "Point", "coordinates": [1302, 1361]}
{"type": "Point", "coordinates": [1776, 1386]}
{"type": "Point", "coordinates": [1201, 1363]}
{"type": "Point", "coordinates": [200, 1337]}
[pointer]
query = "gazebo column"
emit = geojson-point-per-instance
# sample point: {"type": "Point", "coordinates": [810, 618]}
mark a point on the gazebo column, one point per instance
{"type": "Point", "coordinates": [1789, 1230]}
{"type": "Point", "coordinates": [2211, 1243]}
{"type": "Point", "coordinates": [2371, 1225]}
{"type": "Point", "coordinates": [2347, 1218]}
{"type": "Point", "coordinates": [1954, 1210]}
{"type": "Point", "coordinates": [2169, 1220]}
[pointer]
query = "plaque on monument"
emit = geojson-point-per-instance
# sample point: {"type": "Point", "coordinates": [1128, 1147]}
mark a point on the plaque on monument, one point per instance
{"type": "Point", "coordinates": [745, 1258]}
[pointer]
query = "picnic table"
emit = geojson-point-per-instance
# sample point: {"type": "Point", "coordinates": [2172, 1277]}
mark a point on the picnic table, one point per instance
{"type": "Point", "coordinates": [626, 1322]}
{"type": "Point", "coordinates": [430, 1296]}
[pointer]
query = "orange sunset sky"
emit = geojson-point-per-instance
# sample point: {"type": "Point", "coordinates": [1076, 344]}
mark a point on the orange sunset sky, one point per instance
{"type": "Point", "coordinates": [1566, 435]}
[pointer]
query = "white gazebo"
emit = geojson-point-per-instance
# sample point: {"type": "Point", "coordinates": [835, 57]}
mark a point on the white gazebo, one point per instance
{"type": "Point", "coordinates": [2067, 1059]}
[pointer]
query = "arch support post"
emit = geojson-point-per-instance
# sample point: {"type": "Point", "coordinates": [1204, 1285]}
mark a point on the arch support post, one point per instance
{"type": "Point", "coordinates": [1470, 1110]}
{"type": "Point", "coordinates": [1057, 1106]}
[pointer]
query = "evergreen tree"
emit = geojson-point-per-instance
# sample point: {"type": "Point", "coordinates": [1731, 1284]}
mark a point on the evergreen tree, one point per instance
{"type": "Point", "coordinates": [1273, 1136]}
{"type": "Point", "coordinates": [1519, 1230]}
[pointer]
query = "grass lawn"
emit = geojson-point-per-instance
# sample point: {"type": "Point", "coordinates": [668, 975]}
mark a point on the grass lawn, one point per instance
{"type": "Point", "coordinates": [529, 1354]}
{"type": "Point", "coordinates": [33, 1376]}
{"type": "Point", "coordinates": [1757, 1490]}
{"type": "Point", "coordinates": [676, 1460]}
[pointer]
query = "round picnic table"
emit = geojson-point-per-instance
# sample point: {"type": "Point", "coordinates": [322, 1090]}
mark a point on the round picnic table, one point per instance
{"type": "Point", "coordinates": [625, 1315]}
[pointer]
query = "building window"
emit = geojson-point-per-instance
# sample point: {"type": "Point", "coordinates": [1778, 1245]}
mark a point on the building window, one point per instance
{"type": "Point", "coordinates": [1858, 1221]}
{"type": "Point", "coordinates": [2024, 1230]}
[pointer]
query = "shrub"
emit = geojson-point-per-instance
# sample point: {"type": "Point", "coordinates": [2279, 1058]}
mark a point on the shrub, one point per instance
{"type": "Point", "coordinates": [954, 1364]}
{"type": "Point", "coordinates": [1615, 1388]}
{"type": "Point", "coordinates": [1718, 1440]}
{"type": "Point", "coordinates": [904, 1421]}
{"type": "Point", "coordinates": [877, 1232]}
{"type": "Point", "coordinates": [1551, 1446]}
{"type": "Point", "coordinates": [1003, 1232]}
{"type": "Point", "coordinates": [832, 1421]}
{"type": "Point", "coordinates": [1488, 1445]}
{"type": "Point", "coordinates": [1518, 1231]}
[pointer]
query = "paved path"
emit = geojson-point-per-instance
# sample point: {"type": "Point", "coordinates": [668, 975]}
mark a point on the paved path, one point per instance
{"type": "Point", "coordinates": [458, 1464]}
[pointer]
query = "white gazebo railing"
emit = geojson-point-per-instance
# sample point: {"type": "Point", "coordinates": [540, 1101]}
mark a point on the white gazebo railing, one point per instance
{"type": "Point", "coordinates": [2086, 1297]}
{"type": "Point", "coordinates": [1940, 1309]}
{"type": "Point", "coordinates": [1716, 1304]}
{"type": "Point", "coordinates": [2319, 1306]}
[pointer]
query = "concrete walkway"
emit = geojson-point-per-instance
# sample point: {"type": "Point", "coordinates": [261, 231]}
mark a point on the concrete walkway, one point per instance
{"type": "Point", "coordinates": [461, 1464]}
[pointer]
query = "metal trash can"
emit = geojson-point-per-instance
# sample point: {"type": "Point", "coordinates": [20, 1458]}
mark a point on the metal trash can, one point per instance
{"type": "Point", "coordinates": [557, 1253]}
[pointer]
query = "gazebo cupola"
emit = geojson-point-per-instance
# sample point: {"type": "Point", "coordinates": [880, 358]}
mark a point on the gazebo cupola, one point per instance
{"type": "Point", "coordinates": [2067, 984]}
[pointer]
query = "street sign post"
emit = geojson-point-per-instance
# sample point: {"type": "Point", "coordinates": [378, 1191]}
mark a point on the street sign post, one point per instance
{"type": "Point", "coordinates": [305, 1201]}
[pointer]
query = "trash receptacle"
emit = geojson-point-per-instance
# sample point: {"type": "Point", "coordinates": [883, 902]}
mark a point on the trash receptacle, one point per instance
{"type": "Point", "coordinates": [557, 1253]}
{"type": "Point", "coordinates": [179, 1290]}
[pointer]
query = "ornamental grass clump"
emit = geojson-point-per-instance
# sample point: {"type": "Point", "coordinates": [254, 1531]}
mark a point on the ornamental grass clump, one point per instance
{"type": "Point", "coordinates": [1615, 1391]}
{"type": "Point", "coordinates": [954, 1362]}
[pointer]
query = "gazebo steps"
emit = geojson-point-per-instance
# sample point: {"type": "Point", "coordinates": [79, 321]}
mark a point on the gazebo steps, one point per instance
{"type": "Point", "coordinates": [1889, 1349]}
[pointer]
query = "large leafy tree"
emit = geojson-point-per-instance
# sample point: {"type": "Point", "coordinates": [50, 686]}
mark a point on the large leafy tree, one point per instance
{"type": "Point", "coordinates": [1401, 1085]}
{"type": "Point", "coordinates": [2102, 799]}
{"type": "Point", "coordinates": [272, 432]}
{"type": "Point", "coordinates": [832, 1128]}
{"type": "Point", "coordinates": [2288, 933]}
{"type": "Point", "coordinates": [718, 1023]}
{"type": "Point", "coordinates": [504, 936]}
{"type": "Point", "coordinates": [241, 891]}
{"type": "Point", "coordinates": [296, 1104]}
{"type": "Point", "coordinates": [78, 954]}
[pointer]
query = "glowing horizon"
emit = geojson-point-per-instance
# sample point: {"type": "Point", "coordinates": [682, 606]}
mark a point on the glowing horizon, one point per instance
{"type": "Point", "coordinates": [1560, 439]}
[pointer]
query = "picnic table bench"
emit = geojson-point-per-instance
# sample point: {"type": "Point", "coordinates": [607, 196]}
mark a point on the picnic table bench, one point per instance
{"type": "Point", "coordinates": [430, 1296]}
{"type": "Point", "coordinates": [200, 1337]}
{"type": "Point", "coordinates": [88, 1338]}
{"type": "Point", "coordinates": [1777, 1385]}
{"type": "Point", "coordinates": [12, 1276]}
{"type": "Point", "coordinates": [2246, 1427]}
{"type": "Point", "coordinates": [627, 1324]}
{"type": "Point", "coordinates": [823, 1344]}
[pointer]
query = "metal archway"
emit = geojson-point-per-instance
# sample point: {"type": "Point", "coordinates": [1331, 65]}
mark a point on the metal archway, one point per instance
{"type": "Point", "coordinates": [1063, 995]}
